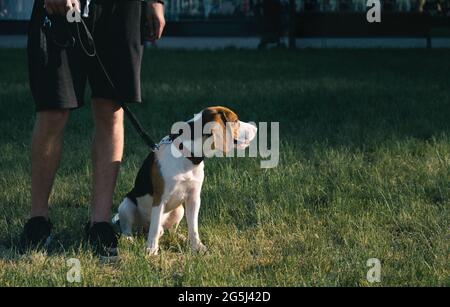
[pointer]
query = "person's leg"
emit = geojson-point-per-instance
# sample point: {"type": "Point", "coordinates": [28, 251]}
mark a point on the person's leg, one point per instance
{"type": "Point", "coordinates": [45, 156]}
{"type": "Point", "coordinates": [107, 150]}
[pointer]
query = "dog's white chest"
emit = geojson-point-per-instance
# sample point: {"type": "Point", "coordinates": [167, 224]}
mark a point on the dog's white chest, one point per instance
{"type": "Point", "coordinates": [181, 186]}
{"type": "Point", "coordinates": [176, 198]}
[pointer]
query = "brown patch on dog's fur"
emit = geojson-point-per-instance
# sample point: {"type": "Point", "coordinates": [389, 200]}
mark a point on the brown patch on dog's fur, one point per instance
{"type": "Point", "coordinates": [222, 116]}
{"type": "Point", "coordinates": [157, 182]}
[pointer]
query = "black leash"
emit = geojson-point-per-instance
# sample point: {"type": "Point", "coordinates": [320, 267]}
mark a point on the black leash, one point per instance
{"type": "Point", "coordinates": [130, 115]}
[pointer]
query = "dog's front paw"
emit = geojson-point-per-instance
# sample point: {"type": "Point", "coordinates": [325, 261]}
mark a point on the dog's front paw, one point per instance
{"type": "Point", "coordinates": [152, 249]}
{"type": "Point", "coordinates": [198, 247]}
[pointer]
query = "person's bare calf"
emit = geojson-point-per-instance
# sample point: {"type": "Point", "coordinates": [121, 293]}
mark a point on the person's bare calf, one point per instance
{"type": "Point", "coordinates": [107, 151]}
{"type": "Point", "coordinates": [45, 156]}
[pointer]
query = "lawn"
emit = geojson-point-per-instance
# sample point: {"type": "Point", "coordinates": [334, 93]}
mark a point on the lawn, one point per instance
{"type": "Point", "coordinates": [364, 172]}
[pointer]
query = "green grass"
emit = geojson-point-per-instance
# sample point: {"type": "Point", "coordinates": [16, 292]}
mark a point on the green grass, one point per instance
{"type": "Point", "coordinates": [364, 172]}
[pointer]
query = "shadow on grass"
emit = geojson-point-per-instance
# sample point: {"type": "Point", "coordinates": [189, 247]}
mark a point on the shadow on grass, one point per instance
{"type": "Point", "coordinates": [72, 240]}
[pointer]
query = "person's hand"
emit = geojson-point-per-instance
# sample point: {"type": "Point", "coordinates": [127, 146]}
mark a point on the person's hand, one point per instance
{"type": "Point", "coordinates": [61, 7]}
{"type": "Point", "coordinates": [155, 20]}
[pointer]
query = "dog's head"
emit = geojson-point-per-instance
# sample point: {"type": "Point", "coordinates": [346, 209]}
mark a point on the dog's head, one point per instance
{"type": "Point", "coordinates": [227, 131]}
{"type": "Point", "coordinates": [221, 130]}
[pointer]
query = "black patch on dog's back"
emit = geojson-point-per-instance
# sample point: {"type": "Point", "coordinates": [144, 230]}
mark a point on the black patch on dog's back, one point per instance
{"type": "Point", "coordinates": [143, 184]}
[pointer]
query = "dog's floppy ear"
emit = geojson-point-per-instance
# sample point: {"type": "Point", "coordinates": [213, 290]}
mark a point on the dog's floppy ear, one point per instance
{"type": "Point", "coordinates": [215, 122]}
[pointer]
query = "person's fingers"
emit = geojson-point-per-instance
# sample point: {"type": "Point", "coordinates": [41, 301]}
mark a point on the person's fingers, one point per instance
{"type": "Point", "coordinates": [156, 21]}
{"type": "Point", "coordinates": [157, 29]}
{"type": "Point", "coordinates": [151, 26]}
{"type": "Point", "coordinates": [76, 5]}
{"type": "Point", "coordinates": [73, 5]}
{"type": "Point", "coordinates": [160, 30]}
{"type": "Point", "coordinates": [68, 8]}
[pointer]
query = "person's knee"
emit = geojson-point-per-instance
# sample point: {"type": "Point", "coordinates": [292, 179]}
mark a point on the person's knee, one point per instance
{"type": "Point", "coordinates": [52, 121]}
{"type": "Point", "coordinates": [107, 114]}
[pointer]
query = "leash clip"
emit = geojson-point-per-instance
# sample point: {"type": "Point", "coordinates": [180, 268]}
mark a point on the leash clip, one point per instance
{"type": "Point", "coordinates": [47, 23]}
{"type": "Point", "coordinates": [155, 147]}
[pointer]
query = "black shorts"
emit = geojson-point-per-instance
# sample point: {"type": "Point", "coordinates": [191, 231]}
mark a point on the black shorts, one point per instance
{"type": "Point", "coordinates": [59, 68]}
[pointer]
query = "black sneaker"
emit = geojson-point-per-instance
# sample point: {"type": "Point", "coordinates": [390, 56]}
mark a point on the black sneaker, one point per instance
{"type": "Point", "coordinates": [103, 239]}
{"type": "Point", "coordinates": [36, 234]}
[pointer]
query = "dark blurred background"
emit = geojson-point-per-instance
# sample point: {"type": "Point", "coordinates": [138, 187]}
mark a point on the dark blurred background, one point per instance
{"type": "Point", "coordinates": [226, 9]}
{"type": "Point", "coordinates": [280, 22]}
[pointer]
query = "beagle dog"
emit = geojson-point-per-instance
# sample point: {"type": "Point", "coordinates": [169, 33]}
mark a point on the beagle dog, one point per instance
{"type": "Point", "coordinates": [171, 178]}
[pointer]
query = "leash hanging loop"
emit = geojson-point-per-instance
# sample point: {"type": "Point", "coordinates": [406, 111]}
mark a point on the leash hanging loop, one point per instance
{"type": "Point", "coordinates": [86, 9]}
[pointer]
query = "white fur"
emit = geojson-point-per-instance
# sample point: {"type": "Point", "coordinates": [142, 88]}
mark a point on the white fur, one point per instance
{"type": "Point", "coordinates": [247, 133]}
